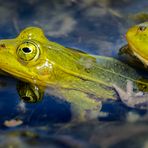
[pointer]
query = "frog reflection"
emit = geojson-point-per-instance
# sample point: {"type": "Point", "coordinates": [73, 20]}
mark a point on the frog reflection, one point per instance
{"type": "Point", "coordinates": [29, 93]}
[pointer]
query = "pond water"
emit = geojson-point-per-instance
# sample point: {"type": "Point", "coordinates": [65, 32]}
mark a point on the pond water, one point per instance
{"type": "Point", "coordinates": [94, 26]}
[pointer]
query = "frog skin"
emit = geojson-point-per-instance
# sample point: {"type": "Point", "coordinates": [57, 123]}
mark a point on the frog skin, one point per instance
{"type": "Point", "coordinates": [83, 80]}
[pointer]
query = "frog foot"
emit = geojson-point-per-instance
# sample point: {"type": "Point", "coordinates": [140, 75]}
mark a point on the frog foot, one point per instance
{"type": "Point", "coordinates": [132, 99]}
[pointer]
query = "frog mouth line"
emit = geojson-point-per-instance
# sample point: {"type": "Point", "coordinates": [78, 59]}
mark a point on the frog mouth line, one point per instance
{"type": "Point", "coordinates": [25, 77]}
{"type": "Point", "coordinates": [139, 55]}
{"type": "Point", "coordinates": [19, 75]}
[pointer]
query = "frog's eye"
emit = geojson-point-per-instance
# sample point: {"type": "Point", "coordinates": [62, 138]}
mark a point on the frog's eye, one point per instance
{"type": "Point", "coordinates": [28, 51]}
{"type": "Point", "coordinates": [142, 28]}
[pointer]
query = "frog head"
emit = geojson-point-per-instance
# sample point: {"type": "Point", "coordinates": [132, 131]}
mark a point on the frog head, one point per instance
{"type": "Point", "coordinates": [25, 56]}
{"type": "Point", "coordinates": [137, 37]}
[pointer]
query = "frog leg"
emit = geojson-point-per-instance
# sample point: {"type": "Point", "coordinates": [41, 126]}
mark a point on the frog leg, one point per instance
{"type": "Point", "coordinates": [132, 99]}
{"type": "Point", "coordinates": [83, 107]}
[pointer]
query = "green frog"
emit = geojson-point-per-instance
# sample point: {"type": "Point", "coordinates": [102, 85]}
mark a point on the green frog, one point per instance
{"type": "Point", "coordinates": [83, 80]}
{"type": "Point", "coordinates": [137, 38]}
{"type": "Point", "coordinates": [137, 49]}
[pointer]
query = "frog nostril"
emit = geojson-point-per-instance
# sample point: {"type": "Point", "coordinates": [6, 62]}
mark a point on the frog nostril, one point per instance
{"type": "Point", "coordinates": [142, 28]}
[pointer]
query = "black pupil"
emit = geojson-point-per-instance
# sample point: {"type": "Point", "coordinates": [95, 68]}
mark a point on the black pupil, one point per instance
{"type": "Point", "coordinates": [26, 49]}
{"type": "Point", "coordinates": [142, 28]}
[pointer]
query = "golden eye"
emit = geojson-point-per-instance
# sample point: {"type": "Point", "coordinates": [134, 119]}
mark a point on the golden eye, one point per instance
{"type": "Point", "coordinates": [28, 51]}
{"type": "Point", "coordinates": [142, 28]}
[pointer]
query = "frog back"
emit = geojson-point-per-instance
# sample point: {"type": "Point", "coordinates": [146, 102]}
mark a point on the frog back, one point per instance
{"type": "Point", "coordinates": [99, 69]}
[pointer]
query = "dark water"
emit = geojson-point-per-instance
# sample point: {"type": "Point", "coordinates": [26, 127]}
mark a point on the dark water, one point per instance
{"type": "Point", "coordinates": [93, 26]}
